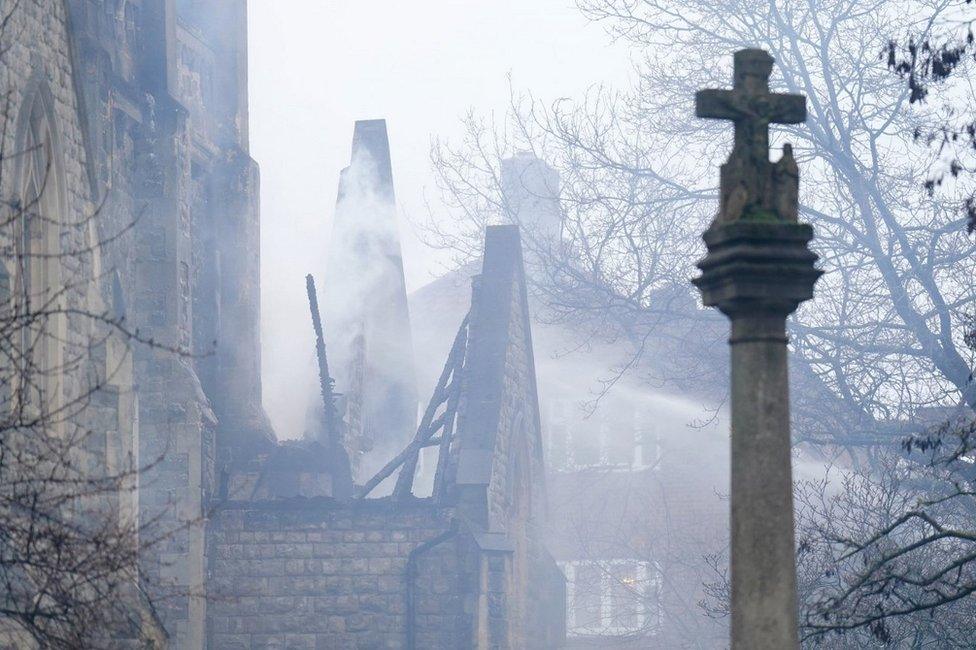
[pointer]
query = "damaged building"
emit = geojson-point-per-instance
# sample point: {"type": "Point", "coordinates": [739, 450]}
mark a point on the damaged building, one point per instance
{"type": "Point", "coordinates": [440, 544]}
{"type": "Point", "coordinates": [141, 106]}
{"type": "Point", "coordinates": [634, 494]}
{"type": "Point", "coordinates": [144, 105]}
{"type": "Point", "coordinates": [463, 566]}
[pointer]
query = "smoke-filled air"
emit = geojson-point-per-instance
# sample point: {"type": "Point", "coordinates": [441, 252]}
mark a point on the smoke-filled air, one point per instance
{"type": "Point", "coordinates": [583, 324]}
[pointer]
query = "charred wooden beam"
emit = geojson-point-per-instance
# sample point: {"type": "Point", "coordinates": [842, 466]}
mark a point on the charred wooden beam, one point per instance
{"type": "Point", "coordinates": [446, 394]}
{"type": "Point", "coordinates": [332, 422]}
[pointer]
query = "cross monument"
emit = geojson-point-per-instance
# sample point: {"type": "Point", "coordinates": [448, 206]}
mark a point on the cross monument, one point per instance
{"type": "Point", "coordinates": [757, 271]}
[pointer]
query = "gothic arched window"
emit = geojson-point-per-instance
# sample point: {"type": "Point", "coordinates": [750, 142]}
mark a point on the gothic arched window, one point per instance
{"type": "Point", "coordinates": [38, 293]}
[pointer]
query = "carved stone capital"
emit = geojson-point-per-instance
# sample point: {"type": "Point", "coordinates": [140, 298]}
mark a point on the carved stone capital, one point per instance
{"type": "Point", "coordinates": [757, 268]}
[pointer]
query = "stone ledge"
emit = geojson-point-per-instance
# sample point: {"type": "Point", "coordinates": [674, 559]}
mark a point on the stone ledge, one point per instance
{"type": "Point", "coordinates": [757, 267]}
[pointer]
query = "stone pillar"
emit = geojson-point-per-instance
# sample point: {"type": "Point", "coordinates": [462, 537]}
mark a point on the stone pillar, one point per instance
{"type": "Point", "coordinates": [757, 271]}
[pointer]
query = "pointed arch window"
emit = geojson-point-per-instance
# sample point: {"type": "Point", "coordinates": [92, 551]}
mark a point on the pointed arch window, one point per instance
{"type": "Point", "coordinates": [37, 289]}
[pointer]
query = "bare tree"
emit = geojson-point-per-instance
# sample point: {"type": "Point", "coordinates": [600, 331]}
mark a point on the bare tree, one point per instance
{"type": "Point", "coordinates": [938, 61]}
{"type": "Point", "coordinates": [884, 338]}
{"type": "Point", "coordinates": [894, 554]}
{"type": "Point", "coordinates": [886, 557]}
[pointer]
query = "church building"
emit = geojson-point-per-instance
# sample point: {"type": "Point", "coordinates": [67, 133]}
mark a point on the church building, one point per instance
{"type": "Point", "coordinates": [134, 115]}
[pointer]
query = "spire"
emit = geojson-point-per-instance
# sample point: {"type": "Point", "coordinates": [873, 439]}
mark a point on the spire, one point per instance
{"type": "Point", "coordinates": [365, 300]}
{"type": "Point", "coordinates": [370, 140]}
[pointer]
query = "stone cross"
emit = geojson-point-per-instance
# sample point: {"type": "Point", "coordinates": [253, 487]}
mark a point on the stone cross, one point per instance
{"type": "Point", "coordinates": [749, 181]}
{"type": "Point", "coordinates": [757, 271]}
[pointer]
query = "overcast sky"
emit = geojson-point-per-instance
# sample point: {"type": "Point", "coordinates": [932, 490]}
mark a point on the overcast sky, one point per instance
{"type": "Point", "coordinates": [317, 66]}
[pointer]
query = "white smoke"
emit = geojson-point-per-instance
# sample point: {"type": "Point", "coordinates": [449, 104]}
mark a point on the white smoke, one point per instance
{"type": "Point", "coordinates": [357, 249]}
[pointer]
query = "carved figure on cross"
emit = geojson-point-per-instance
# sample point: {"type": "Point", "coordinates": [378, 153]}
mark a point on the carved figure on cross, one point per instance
{"type": "Point", "coordinates": [751, 186]}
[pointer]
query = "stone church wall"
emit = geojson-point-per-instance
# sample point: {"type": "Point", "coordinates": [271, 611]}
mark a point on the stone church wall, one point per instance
{"type": "Point", "coordinates": [319, 574]}
{"type": "Point", "coordinates": [500, 470]}
{"type": "Point", "coordinates": [164, 88]}
{"type": "Point", "coordinates": [37, 62]}
{"type": "Point", "coordinates": [42, 84]}
{"type": "Point", "coordinates": [311, 574]}
{"type": "Point", "coordinates": [39, 76]}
